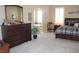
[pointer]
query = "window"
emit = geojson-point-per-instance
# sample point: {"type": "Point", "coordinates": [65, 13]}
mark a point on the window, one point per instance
{"type": "Point", "coordinates": [38, 19]}
{"type": "Point", "coordinates": [59, 16]}
{"type": "Point", "coordinates": [38, 16]}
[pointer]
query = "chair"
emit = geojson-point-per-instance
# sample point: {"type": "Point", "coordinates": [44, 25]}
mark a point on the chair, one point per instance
{"type": "Point", "coordinates": [49, 26]}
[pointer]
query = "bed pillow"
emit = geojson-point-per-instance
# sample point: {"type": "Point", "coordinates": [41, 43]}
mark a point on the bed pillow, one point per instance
{"type": "Point", "coordinates": [76, 24]}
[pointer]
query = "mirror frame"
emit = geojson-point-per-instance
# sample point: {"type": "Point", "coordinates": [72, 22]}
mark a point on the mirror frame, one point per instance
{"type": "Point", "coordinates": [15, 6]}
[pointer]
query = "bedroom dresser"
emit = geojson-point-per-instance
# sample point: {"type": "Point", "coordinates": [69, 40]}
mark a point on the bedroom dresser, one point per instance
{"type": "Point", "coordinates": [16, 34]}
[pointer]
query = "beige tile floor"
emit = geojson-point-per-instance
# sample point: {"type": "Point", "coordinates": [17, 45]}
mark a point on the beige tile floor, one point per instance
{"type": "Point", "coordinates": [47, 43]}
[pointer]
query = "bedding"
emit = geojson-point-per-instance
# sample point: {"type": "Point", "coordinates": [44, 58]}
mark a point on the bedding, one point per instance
{"type": "Point", "coordinates": [69, 30]}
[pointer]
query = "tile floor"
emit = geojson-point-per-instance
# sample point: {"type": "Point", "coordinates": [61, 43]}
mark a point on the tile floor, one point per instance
{"type": "Point", "coordinates": [47, 43]}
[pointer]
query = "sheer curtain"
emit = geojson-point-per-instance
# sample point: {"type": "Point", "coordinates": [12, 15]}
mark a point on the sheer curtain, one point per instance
{"type": "Point", "coordinates": [59, 16]}
{"type": "Point", "coordinates": [38, 18]}
{"type": "Point", "coordinates": [38, 15]}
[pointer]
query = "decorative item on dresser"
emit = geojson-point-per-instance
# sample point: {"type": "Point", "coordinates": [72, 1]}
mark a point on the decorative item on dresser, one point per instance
{"type": "Point", "coordinates": [16, 34]}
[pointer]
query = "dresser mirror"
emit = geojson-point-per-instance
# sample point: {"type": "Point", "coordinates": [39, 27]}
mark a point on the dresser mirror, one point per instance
{"type": "Point", "coordinates": [13, 14]}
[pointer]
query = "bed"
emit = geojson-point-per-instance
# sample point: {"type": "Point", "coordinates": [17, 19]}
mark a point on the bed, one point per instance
{"type": "Point", "coordinates": [69, 31]}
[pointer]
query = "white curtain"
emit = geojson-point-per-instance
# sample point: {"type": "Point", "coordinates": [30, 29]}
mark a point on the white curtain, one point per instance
{"type": "Point", "coordinates": [59, 16]}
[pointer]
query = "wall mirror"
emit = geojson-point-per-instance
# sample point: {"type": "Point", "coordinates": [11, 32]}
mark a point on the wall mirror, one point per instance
{"type": "Point", "coordinates": [13, 13]}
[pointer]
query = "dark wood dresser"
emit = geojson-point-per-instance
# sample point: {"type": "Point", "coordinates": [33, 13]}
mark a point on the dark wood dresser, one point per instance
{"type": "Point", "coordinates": [16, 34]}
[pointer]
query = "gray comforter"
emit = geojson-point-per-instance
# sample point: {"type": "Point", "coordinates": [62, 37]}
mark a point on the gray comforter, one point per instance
{"type": "Point", "coordinates": [69, 30]}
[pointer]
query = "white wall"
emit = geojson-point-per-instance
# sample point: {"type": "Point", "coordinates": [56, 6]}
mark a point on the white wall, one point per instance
{"type": "Point", "coordinates": [2, 16]}
{"type": "Point", "coordinates": [2, 13]}
{"type": "Point", "coordinates": [71, 8]}
{"type": "Point", "coordinates": [48, 12]}
{"type": "Point", "coordinates": [67, 8]}
{"type": "Point", "coordinates": [30, 8]}
{"type": "Point", "coordinates": [26, 9]}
